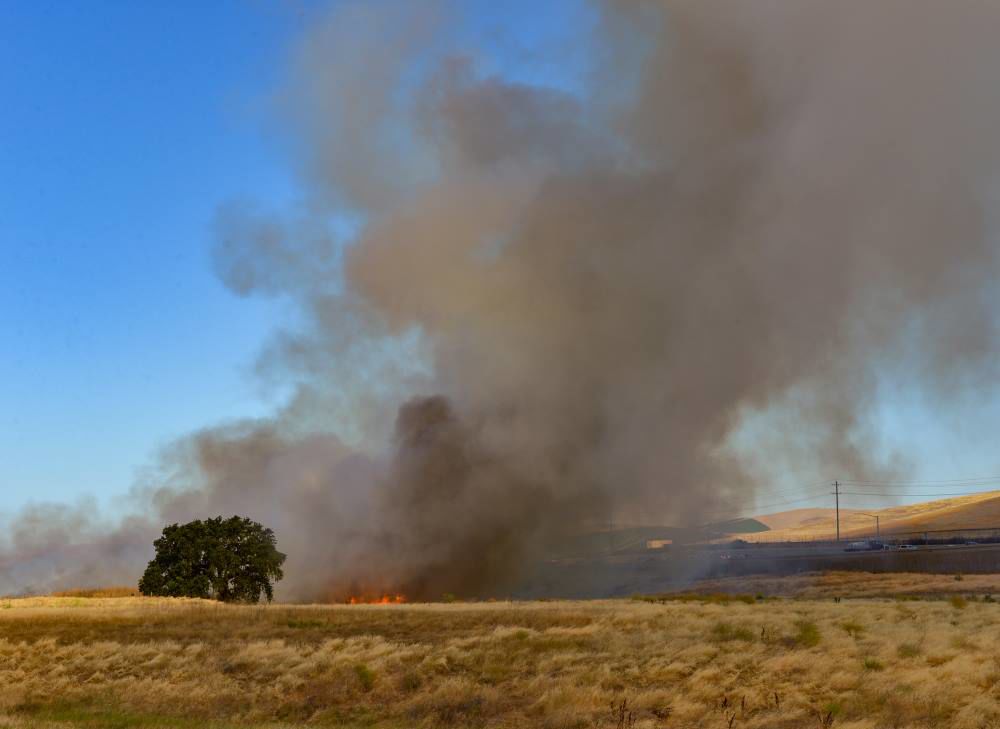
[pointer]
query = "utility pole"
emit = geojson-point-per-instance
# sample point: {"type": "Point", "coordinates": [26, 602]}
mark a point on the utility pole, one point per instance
{"type": "Point", "coordinates": [611, 527]}
{"type": "Point", "coordinates": [878, 534]}
{"type": "Point", "coordinates": [836, 493]}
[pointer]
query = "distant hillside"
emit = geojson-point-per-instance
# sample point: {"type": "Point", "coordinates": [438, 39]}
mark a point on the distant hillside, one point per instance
{"type": "Point", "coordinates": [738, 526]}
{"type": "Point", "coordinates": [801, 518]}
{"type": "Point", "coordinates": [964, 512]}
{"type": "Point", "coordinates": [960, 512]}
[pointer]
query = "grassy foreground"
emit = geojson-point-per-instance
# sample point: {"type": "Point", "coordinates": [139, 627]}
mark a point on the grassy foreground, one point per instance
{"type": "Point", "coordinates": [680, 661]}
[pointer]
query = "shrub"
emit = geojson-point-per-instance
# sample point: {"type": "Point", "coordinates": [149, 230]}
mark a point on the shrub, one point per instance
{"type": "Point", "coordinates": [833, 709]}
{"type": "Point", "coordinates": [958, 602]}
{"type": "Point", "coordinates": [806, 634]}
{"type": "Point", "coordinates": [366, 677]}
{"type": "Point", "coordinates": [853, 628]}
{"type": "Point", "coordinates": [410, 681]}
{"type": "Point", "coordinates": [304, 623]}
{"type": "Point", "coordinates": [872, 664]}
{"type": "Point", "coordinates": [908, 650]}
{"type": "Point", "coordinates": [724, 632]}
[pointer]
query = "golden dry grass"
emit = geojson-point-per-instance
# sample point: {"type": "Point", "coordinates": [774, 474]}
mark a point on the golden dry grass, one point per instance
{"type": "Point", "coordinates": [824, 585]}
{"type": "Point", "coordinates": [961, 512]}
{"type": "Point", "coordinates": [802, 518]}
{"type": "Point", "coordinates": [115, 591]}
{"type": "Point", "coordinates": [865, 663]}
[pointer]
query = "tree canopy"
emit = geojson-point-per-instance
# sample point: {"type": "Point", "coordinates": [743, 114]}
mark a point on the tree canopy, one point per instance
{"type": "Point", "coordinates": [233, 560]}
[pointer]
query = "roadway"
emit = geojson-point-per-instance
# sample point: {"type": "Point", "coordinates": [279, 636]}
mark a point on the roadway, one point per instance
{"type": "Point", "coordinates": [656, 570]}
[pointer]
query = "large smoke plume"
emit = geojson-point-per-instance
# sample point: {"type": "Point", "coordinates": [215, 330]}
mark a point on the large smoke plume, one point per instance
{"type": "Point", "coordinates": [526, 306]}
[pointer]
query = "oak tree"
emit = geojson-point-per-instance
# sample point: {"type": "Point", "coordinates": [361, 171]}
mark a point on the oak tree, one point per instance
{"type": "Point", "coordinates": [232, 560]}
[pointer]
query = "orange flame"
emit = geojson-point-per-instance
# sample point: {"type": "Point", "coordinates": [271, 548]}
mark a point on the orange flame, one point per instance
{"type": "Point", "coordinates": [376, 600]}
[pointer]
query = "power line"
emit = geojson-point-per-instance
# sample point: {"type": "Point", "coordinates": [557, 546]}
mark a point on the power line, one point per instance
{"type": "Point", "coordinates": [796, 489]}
{"type": "Point", "coordinates": [791, 501]}
{"type": "Point", "coordinates": [892, 488]}
{"type": "Point", "coordinates": [898, 495]}
{"type": "Point", "coordinates": [758, 508]}
{"type": "Point", "coordinates": [838, 486]}
{"type": "Point", "coordinates": [982, 479]}
{"type": "Point", "coordinates": [836, 492]}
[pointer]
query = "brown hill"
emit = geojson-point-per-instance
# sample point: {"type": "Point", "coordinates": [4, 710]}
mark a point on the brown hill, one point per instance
{"type": "Point", "coordinates": [800, 518]}
{"type": "Point", "coordinates": [960, 512]}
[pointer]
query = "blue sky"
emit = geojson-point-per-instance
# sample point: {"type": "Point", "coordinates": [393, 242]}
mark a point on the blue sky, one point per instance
{"type": "Point", "coordinates": [124, 125]}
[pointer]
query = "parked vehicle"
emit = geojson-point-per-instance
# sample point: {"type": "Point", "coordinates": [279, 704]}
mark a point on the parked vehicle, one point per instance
{"type": "Point", "coordinates": [865, 546]}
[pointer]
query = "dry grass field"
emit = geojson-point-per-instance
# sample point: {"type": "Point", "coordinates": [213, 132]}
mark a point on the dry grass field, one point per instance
{"type": "Point", "coordinates": [853, 585]}
{"type": "Point", "coordinates": [671, 661]}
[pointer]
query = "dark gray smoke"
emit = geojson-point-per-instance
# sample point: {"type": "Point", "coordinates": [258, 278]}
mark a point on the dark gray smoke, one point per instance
{"type": "Point", "coordinates": [525, 307]}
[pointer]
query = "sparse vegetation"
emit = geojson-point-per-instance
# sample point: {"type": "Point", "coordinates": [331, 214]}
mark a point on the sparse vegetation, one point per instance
{"type": "Point", "coordinates": [677, 663]}
{"type": "Point", "coordinates": [366, 677]}
{"type": "Point", "coordinates": [723, 632]}
{"type": "Point", "coordinates": [719, 598]}
{"type": "Point", "coordinates": [853, 628]}
{"type": "Point", "coordinates": [840, 585]}
{"type": "Point", "coordinates": [806, 634]}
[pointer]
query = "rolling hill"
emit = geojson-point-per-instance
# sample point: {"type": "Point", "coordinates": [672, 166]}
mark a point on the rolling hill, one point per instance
{"type": "Point", "coordinates": [978, 511]}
